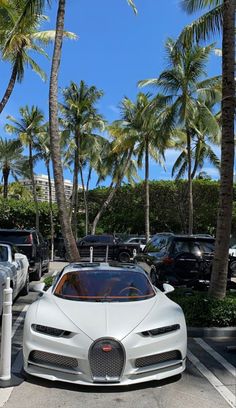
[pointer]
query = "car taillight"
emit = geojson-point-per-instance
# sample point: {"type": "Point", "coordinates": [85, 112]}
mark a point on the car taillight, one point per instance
{"type": "Point", "coordinates": [168, 260]}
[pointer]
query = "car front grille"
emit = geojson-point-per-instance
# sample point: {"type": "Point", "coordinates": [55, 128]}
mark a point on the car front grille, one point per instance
{"type": "Point", "coordinates": [157, 358]}
{"type": "Point", "coordinates": [53, 360]}
{"type": "Point", "coordinates": [106, 358]}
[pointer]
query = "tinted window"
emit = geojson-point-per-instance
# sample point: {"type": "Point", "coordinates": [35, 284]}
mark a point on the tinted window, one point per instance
{"type": "Point", "coordinates": [3, 254]}
{"type": "Point", "coordinates": [16, 237]}
{"type": "Point", "coordinates": [187, 246]}
{"type": "Point", "coordinates": [104, 286]}
{"type": "Point", "coordinates": [157, 244]}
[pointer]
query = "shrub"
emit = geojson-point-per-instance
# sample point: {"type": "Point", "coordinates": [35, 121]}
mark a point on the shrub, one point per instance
{"type": "Point", "coordinates": [203, 311]}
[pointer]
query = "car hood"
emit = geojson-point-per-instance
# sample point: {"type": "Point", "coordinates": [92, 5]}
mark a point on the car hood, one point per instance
{"type": "Point", "coordinates": [113, 319]}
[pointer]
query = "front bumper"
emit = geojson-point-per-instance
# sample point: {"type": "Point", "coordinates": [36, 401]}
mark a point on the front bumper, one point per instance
{"type": "Point", "coordinates": [77, 347]}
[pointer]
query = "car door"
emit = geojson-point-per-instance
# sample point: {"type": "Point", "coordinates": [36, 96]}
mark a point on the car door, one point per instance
{"type": "Point", "coordinates": [153, 253]}
{"type": "Point", "coordinates": [187, 260]}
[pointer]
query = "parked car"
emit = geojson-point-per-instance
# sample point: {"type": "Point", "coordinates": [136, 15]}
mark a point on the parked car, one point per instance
{"type": "Point", "coordinates": [108, 325]}
{"type": "Point", "coordinates": [139, 240]}
{"type": "Point", "coordinates": [117, 249]}
{"type": "Point", "coordinates": [232, 251]}
{"type": "Point", "coordinates": [15, 266]}
{"type": "Point", "coordinates": [31, 243]}
{"type": "Point", "coordinates": [178, 259]}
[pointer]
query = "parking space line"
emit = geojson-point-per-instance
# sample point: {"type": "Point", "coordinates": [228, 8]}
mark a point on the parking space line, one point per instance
{"type": "Point", "coordinates": [5, 394]}
{"type": "Point", "coordinates": [228, 396]}
{"type": "Point", "coordinates": [19, 320]}
{"type": "Point", "coordinates": [229, 367]}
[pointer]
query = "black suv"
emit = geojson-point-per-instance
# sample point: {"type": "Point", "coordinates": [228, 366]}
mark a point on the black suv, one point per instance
{"type": "Point", "coordinates": [31, 243]}
{"type": "Point", "coordinates": [181, 260]}
{"type": "Point", "coordinates": [117, 249]}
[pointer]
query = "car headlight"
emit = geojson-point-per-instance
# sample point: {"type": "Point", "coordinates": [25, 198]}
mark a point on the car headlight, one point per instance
{"type": "Point", "coordinates": [161, 330]}
{"type": "Point", "coordinates": [50, 331]}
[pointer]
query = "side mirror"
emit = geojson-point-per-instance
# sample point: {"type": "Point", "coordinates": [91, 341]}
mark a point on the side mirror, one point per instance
{"type": "Point", "coordinates": [168, 288]}
{"type": "Point", "coordinates": [37, 287]}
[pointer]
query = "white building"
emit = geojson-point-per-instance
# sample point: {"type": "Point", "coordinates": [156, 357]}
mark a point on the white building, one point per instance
{"type": "Point", "coordinates": [42, 186]}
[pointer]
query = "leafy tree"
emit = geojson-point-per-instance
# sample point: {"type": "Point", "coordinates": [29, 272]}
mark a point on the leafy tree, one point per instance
{"type": "Point", "coordinates": [19, 37]}
{"type": "Point", "coordinates": [12, 162]}
{"type": "Point", "coordinates": [27, 128]}
{"type": "Point", "coordinates": [143, 135]}
{"type": "Point", "coordinates": [183, 80]}
{"type": "Point", "coordinates": [67, 233]}
{"type": "Point", "coordinates": [220, 16]}
{"type": "Point", "coordinates": [81, 119]}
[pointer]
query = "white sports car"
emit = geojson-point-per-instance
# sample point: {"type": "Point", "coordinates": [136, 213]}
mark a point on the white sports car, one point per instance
{"type": "Point", "coordinates": [104, 324]}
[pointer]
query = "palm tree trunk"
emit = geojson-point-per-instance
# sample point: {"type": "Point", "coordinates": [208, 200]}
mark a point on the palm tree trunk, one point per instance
{"type": "Point", "coordinates": [70, 244]}
{"type": "Point", "coordinates": [220, 263]}
{"type": "Point", "coordinates": [85, 199]}
{"type": "Point", "coordinates": [10, 88]}
{"type": "Point", "coordinates": [111, 195]}
{"type": "Point", "coordinates": [31, 166]}
{"type": "Point", "coordinates": [190, 185]}
{"type": "Point", "coordinates": [74, 201]}
{"type": "Point", "coordinates": [51, 210]}
{"type": "Point", "coordinates": [5, 173]}
{"type": "Point", "coordinates": [147, 204]}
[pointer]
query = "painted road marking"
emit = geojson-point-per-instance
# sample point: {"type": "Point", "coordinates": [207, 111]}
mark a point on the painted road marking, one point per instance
{"type": "Point", "coordinates": [19, 320]}
{"type": "Point", "coordinates": [228, 396]}
{"type": "Point", "coordinates": [229, 367]}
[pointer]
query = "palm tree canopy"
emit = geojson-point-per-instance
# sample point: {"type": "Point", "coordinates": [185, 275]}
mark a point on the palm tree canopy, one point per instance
{"type": "Point", "coordinates": [12, 159]}
{"type": "Point", "coordinates": [29, 125]}
{"type": "Point", "coordinates": [20, 35]}
{"type": "Point", "coordinates": [207, 24]}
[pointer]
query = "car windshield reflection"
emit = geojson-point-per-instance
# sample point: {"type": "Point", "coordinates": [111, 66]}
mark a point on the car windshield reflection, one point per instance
{"type": "Point", "coordinates": [104, 286]}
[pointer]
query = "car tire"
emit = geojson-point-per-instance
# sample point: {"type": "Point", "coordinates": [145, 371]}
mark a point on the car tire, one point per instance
{"type": "Point", "coordinates": [124, 256]}
{"type": "Point", "coordinates": [25, 290]}
{"type": "Point", "coordinates": [232, 267]}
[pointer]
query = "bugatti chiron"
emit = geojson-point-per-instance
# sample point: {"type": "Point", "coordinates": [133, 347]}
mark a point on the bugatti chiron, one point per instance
{"type": "Point", "coordinates": [104, 324]}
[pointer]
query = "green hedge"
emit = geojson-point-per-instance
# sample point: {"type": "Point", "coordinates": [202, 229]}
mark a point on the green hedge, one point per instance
{"type": "Point", "coordinates": [168, 207]}
{"type": "Point", "coordinates": [203, 311]}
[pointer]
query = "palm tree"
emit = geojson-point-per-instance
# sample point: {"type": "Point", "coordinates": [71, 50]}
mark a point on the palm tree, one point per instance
{"type": "Point", "coordinates": [42, 147]}
{"type": "Point", "coordinates": [80, 118]}
{"type": "Point", "coordinates": [115, 162]}
{"type": "Point", "coordinates": [221, 16]}
{"type": "Point", "coordinates": [27, 128]}
{"type": "Point", "coordinates": [20, 36]}
{"type": "Point", "coordinates": [12, 162]}
{"type": "Point", "coordinates": [70, 244]}
{"type": "Point", "coordinates": [183, 80]}
{"type": "Point", "coordinates": [206, 132]}
{"type": "Point", "coordinates": [140, 132]}
{"type": "Point", "coordinates": [67, 233]}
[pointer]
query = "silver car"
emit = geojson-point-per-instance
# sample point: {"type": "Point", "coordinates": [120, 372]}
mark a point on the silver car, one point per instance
{"type": "Point", "coordinates": [15, 266]}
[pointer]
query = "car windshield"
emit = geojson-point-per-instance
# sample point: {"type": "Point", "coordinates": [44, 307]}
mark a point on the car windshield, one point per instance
{"type": "Point", "coordinates": [104, 286]}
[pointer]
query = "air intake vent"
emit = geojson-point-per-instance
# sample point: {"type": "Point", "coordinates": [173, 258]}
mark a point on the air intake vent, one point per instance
{"type": "Point", "coordinates": [158, 358]}
{"type": "Point", "coordinates": [50, 359]}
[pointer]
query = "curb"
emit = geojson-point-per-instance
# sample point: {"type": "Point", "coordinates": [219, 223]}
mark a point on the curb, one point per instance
{"type": "Point", "coordinates": [211, 331]}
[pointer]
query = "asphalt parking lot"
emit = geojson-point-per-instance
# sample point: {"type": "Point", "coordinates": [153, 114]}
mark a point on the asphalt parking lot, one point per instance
{"type": "Point", "coordinates": [209, 380]}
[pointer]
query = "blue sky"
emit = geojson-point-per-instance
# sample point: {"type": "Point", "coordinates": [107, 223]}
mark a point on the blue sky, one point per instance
{"type": "Point", "coordinates": [114, 51]}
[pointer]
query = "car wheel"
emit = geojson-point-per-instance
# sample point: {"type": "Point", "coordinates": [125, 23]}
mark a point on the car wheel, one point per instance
{"type": "Point", "coordinates": [25, 290]}
{"type": "Point", "coordinates": [124, 257]}
{"type": "Point", "coordinates": [232, 267]}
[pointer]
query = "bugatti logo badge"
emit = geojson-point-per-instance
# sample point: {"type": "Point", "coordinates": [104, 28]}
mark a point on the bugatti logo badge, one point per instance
{"type": "Point", "coordinates": [106, 348]}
